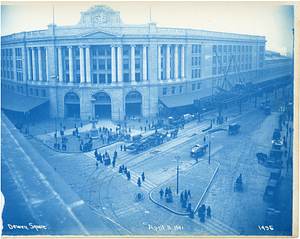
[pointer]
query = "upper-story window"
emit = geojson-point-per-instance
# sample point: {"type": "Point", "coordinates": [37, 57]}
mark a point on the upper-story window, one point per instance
{"type": "Point", "coordinates": [165, 91]}
{"type": "Point", "coordinates": [18, 52]}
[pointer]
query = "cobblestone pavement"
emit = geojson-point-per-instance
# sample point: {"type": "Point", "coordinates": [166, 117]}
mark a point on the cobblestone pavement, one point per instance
{"type": "Point", "coordinates": [112, 195]}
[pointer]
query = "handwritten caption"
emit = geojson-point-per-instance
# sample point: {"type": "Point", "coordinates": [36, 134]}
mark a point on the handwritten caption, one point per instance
{"type": "Point", "coordinates": [162, 227]}
{"type": "Point", "coordinates": [29, 227]}
{"type": "Point", "coordinates": [266, 228]}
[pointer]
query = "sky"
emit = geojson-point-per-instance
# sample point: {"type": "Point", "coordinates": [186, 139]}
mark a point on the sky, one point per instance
{"type": "Point", "coordinates": [268, 19]}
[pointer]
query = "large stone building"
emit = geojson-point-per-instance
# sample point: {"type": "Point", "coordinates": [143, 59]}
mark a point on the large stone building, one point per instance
{"type": "Point", "coordinates": [106, 68]}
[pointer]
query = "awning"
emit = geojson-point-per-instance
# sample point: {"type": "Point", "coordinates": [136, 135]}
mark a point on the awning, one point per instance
{"type": "Point", "coordinates": [187, 98]}
{"type": "Point", "coordinates": [20, 103]}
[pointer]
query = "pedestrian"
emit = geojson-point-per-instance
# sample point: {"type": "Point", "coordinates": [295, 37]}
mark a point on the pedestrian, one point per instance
{"type": "Point", "coordinates": [80, 147]}
{"type": "Point", "coordinates": [139, 182]}
{"type": "Point", "coordinates": [96, 153]}
{"type": "Point", "coordinates": [204, 138]}
{"type": "Point", "coordinates": [120, 169]}
{"type": "Point", "coordinates": [185, 195]}
{"type": "Point", "coordinates": [124, 148]}
{"type": "Point", "coordinates": [145, 128]}
{"type": "Point", "coordinates": [121, 146]}
{"type": "Point", "coordinates": [143, 176]}
{"type": "Point", "coordinates": [189, 208]}
{"type": "Point", "coordinates": [64, 128]}
{"type": "Point", "coordinates": [141, 129]}
{"type": "Point", "coordinates": [128, 175]}
{"type": "Point", "coordinates": [213, 120]}
{"type": "Point", "coordinates": [189, 194]}
{"type": "Point", "coordinates": [114, 163]}
{"type": "Point", "coordinates": [225, 118]}
{"type": "Point", "coordinates": [125, 170]}
{"type": "Point", "coordinates": [181, 197]}
{"type": "Point", "coordinates": [161, 192]}
{"type": "Point", "coordinates": [97, 164]}
{"type": "Point", "coordinates": [208, 211]}
{"type": "Point", "coordinates": [81, 124]}
{"type": "Point", "coordinates": [184, 204]}
{"type": "Point", "coordinates": [115, 154]}
{"type": "Point", "coordinates": [166, 192]}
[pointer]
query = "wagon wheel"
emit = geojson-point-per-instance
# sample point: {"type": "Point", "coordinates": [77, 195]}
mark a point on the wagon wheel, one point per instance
{"type": "Point", "coordinates": [139, 196]}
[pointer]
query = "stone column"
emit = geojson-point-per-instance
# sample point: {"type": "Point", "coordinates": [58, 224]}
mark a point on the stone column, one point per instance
{"type": "Point", "coordinates": [113, 64]}
{"type": "Point", "coordinates": [168, 62]}
{"type": "Point", "coordinates": [132, 64]}
{"type": "Point", "coordinates": [176, 62]}
{"type": "Point", "coordinates": [33, 64]}
{"type": "Point", "coordinates": [71, 69]}
{"type": "Point", "coordinates": [182, 61]}
{"type": "Point", "coordinates": [120, 67]}
{"type": "Point", "coordinates": [88, 64]}
{"type": "Point", "coordinates": [40, 64]}
{"type": "Point", "coordinates": [15, 64]}
{"type": "Point", "coordinates": [47, 62]}
{"type": "Point", "coordinates": [144, 62]}
{"type": "Point", "coordinates": [60, 66]}
{"type": "Point", "coordinates": [29, 64]}
{"type": "Point", "coordinates": [24, 64]}
{"type": "Point", "coordinates": [81, 64]}
{"type": "Point", "coordinates": [159, 61]}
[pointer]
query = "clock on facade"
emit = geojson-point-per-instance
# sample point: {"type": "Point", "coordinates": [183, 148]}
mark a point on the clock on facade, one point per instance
{"type": "Point", "coordinates": [100, 17]}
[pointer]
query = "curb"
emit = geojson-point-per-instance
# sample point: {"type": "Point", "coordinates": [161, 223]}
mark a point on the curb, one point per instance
{"type": "Point", "coordinates": [195, 210]}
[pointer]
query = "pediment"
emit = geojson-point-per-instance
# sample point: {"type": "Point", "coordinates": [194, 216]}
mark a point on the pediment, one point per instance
{"type": "Point", "coordinates": [99, 34]}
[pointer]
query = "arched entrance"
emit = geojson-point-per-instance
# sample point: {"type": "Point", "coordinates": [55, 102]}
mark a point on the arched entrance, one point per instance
{"type": "Point", "coordinates": [133, 104]}
{"type": "Point", "coordinates": [72, 105]}
{"type": "Point", "coordinates": [102, 106]}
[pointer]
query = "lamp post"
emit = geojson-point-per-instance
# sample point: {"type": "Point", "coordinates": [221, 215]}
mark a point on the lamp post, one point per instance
{"type": "Point", "coordinates": [177, 159]}
{"type": "Point", "coordinates": [94, 131]}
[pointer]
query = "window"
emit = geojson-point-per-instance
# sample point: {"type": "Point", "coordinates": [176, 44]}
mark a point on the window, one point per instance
{"type": "Point", "coordinates": [224, 59]}
{"type": "Point", "coordinates": [214, 48]}
{"type": "Point", "coordinates": [238, 58]}
{"type": "Point", "coordinates": [261, 57]}
{"type": "Point", "coordinates": [243, 48]}
{"type": "Point", "coordinates": [19, 65]}
{"type": "Point", "coordinates": [137, 63]}
{"type": "Point", "coordinates": [101, 63]}
{"type": "Point", "coordinates": [125, 64]}
{"type": "Point", "coordinates": [95, 78]}
{"type": "Point", "coordinates": [108, 78]}
{"type": "Point", "coordinates": [192, 61]}
{"type": "Point", "coordinates": [250, 58]}
{"type": "Point", "coordinates": [126, 50]}
{"type": "Point", "coordinates": [193, 87]}
{"type": "Point", "coordinates": [239, 48]}
{"type": "Point", "coordinates": [77, 65]}
{"type": "Point", "coordinates": [21, 88]}
{"type": "Point", "coordinates": [196, 73]}
{"type": "Point", "coordinates": [200, 48]}
{"type": "Point", "coordinates": [214, 60]}
{"type": "Point", "coordinates": [180, 89]}
{"type": "Point", "coordinates": [94, 63]}
{"type": "Point", "coordinates": [234, 48]}
{"type": "Point", "coordinates": [192, 74]}
{"type": "Point", "coordinates": [66, 51]}
{"type": "Point", "coordinates": [173, 90]}
{"type": "Point", "coordinates": [126, 77]}
{"type": "Point", "coordinates": [246, 66]}
{"type": "Point", "coordinates": [12, 88]}
{"type": "Point", "coordinates": [18, 53]}
{"type": "Point", "coordinates": [67, 65]}
{"type": "Point", "coordinates": [137, 77]}
{"type": "Point", "coordinates": [225, 49]}
{"type": "Point", "coordinates": [242, 57]}
{"type": "Point", "coordinates": [77, 78]}
{"type": "Point", "coordinates": [250, 48]}
{"type": "Point", "coordinates": [36, 92]}
{"type": "Point", "coordinates": [199, 61]}
{"type": "Point", "coordinates": [196, 48]}
{"type": "Point", "coordinates": [18, 88]}
{"type": "Point", "coordinates": [31, 91]}
{"type": "Point", "coordinates": [12, 75]}
{"type": "Point", "coordinates": [219, 48]}
{"type": "Point", "coordinates": [44, 93]}
{"type": "Point", "coordinates": [108, 64]}
{"type": "Point", "coordinates": [219, 70]}
{"type": "Point", "coordinates": [101, 51]}
{"type": "Point", "coordinates": [230, 49]}
{"type": "Point", "coordinates": [214, 71]}
{"type": "Point", "coordinates": [198, 86]}
{"type": "Point", "coordinates": [137, 50]}
{"type": "Point", "coordinates": [67, 78]}
{"type": "Point", "coordinates": [199, 73]}
{"type": "Point", "coordinates": [196, 61]}
{"type": "Point", "coordinates": [77, 51]}
{"type": "Point", "coordinates": [165, 91]}
{"type": "Point", "coordinates": [94, 51]}
{"type": "Point", "coordinates": [102, 78]}
{"type": "Point", "coordinates": [246, 48]}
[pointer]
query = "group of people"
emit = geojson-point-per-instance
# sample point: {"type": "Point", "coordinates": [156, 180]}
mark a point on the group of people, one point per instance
{"type": "Point", "coordinates": [201, 212]}
{"type": "Point", "coordinates": [168, 194]}
{"type": "Point", "coordinates": [105, 158]}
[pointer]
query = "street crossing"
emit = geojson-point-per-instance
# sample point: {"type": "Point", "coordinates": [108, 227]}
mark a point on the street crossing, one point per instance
{"type": "Point", "coordinates": [213, 226]}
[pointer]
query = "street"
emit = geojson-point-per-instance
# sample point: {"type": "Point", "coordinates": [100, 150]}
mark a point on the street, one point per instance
{"type": "Point", "coordinates": [111, 195]}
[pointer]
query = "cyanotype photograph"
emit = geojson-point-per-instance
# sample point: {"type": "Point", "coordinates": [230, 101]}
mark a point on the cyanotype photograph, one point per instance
{"type": "Point", "coordinates": [159, 118]}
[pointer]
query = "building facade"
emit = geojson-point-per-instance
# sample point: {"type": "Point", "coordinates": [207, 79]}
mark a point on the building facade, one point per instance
{"type": "Point", "coordinates": [102, 67]}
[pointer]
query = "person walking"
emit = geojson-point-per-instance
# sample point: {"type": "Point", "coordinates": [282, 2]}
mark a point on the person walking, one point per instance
{"type": "Point", "coordinates": [124, 148]}
{"type": "Point", "coordinates": [189, 194]}
{"type": "Point", "coordinates": [128, 175]}
{"type": "Point", "coordinates": [121, 146]}
{"type": "Point", "coordinates": [139, 182]}
{"type": "Point", "coordinates": [97, 164]}
{"type": "Point", "coordinates": [161, 192]}
{"type": "Point", "coordinates": [208, 211]}
{"type": "Point", "coordinates": [143, 176]}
